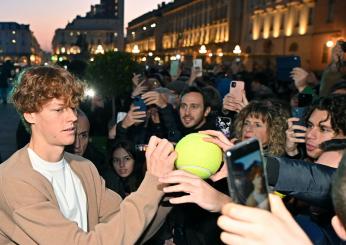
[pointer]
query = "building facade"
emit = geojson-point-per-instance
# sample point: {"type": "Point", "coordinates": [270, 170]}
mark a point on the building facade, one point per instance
{"type": "Point", "coordinates": [99, 31]}
{"type": "Point", "coordinates": [307, 28]}
{"type": "Point", "coordinates": [263, 29]}
{"type": "Point", "coordinates": [18, 44]}
{"type": "Point", "coordinates": [188, 28]}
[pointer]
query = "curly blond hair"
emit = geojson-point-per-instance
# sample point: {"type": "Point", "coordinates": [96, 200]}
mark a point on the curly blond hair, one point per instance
{"type": "Point", "coordinates": [37, 85]}
{"type": "Point", "coordinates": [275, 115]}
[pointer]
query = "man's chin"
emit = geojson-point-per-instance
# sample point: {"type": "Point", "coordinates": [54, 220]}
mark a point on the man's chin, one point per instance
{"type": "Point", "coordinates": [189, 125]}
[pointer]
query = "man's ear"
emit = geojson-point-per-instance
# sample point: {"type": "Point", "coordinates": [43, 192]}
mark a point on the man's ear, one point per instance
{"type": "Point", "coordinates": [207, 111]}
{"type": "Point", "coordinates": [29, 117]}
{"type": "Point", "coordinates": [339, 227]}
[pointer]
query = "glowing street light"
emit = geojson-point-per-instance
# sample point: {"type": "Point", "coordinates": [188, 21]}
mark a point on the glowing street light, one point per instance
{"type": "Point", "coordinates": [99, 49]}
{"type": "Point", "coordinates": [135, 49]}
{"type": "Point", "coordinates": [90, 92]}
{"type": "Point", "coordinates": [237, 49]}
{"type": "Point", "coordinates": [329, 44]}
{"type": "Point", "coordinates": [202, 50]}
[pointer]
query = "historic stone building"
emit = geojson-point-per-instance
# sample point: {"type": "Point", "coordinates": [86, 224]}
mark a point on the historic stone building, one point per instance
{"type": "Point", "coordinates": [18, 44]}
{"type": "Point", "coordinates": [262, 28]}
{"type": "Point", "coordinates": [307, 28]}
{"type": "Point", "coordinates": [99, 31]}
{"type": "Point", "coordinates": [187, 28]}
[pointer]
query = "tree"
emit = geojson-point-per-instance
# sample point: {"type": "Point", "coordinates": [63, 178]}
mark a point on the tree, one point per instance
{"type": "Point", "coordinates": [110, 74]}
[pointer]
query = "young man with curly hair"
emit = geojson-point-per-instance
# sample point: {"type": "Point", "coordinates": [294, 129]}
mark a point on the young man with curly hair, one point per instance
{"type": "Point", "coordinates": [48, 196]}
{"type": "Point", "coordinates": [325, 120]}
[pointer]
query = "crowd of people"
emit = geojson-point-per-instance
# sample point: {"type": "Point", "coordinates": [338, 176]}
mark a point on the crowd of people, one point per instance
{"type": "Point", "coordinates": [51, 191]}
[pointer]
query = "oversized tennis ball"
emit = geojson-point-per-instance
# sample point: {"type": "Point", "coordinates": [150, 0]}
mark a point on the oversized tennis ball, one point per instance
{"type": "Point", "coordinates": [197, 156]}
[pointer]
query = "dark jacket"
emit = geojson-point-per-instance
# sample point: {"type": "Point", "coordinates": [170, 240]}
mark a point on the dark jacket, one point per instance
{"type": "Point", "coordinates": [306, 181]}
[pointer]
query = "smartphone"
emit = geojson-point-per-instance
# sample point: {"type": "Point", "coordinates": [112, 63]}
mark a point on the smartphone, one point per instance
{"type": "Point", "coordinates": [224, 124]}
{"type": "Point", "coordinates": [174, 68]}
{"type": "Point", "coordinates": [284, 67]}
{"type": "Point", "coordinates": [236, 90]}
{"type": "Point", "coordinates": [138, 101]}
{"type": "Point", "coordinates": [299, 112]}
{"type": "Point", "coordinates": [304, 100]}
{"type": "Point", "coordinates": [247, 180]}
{"type": "Point", "coordinates": [197, 66]}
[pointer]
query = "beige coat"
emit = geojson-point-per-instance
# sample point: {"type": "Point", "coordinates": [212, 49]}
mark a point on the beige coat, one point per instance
{"type": "Point", "coordinates": [29, 211]}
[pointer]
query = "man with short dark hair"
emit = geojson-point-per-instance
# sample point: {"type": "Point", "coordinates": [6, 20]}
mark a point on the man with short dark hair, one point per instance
{"type": "Point", "coordinates": [193, 111]}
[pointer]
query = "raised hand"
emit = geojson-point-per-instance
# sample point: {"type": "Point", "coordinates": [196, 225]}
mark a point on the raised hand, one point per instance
{"type": "Point", "coordinates": [197, 191]}
{"type": "Point", "coordinates": [299, 76]}
{"type": "Point", "coordinates": [293, 137]}
{"type": "Point", "coordinates": [139, 89]}
{"type": "Point", "coordinates": [231, 104]}
{"type": "Point", "coordinates": [133, 116]}
{"type": "Point", "coordinates": [160, 156]}
{"type": "Point", "coordinates": [218, 138]}
{"type": "Point", "coordinates": [155, 98]}
{"type": "Point", "coordinates": [247, 225]}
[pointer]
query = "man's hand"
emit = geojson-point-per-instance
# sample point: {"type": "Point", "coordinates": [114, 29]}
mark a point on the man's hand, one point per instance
{"type": "Point", "coordinates": [292, 137]}
{"type": "Point", "coordinates": [160, 156]}
{"type": "Point", "coordinates": [299, 76]}
{"type": "Point", "coordinates": [154, 98]}
{"type": "Point", "coordinates": [139, 89]}
{"type": "Point", "coordinates": [133, 116]}
{"type": "Point", "coordinates": [198, 191]}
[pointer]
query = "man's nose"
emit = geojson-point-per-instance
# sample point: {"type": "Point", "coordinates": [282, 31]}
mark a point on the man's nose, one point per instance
{"type": "Point", "coordinates": [72, 114]}
{"type": "Point", "coordinates": [311, 133]}
{"type": "Point", "coordinates": [77, 142]}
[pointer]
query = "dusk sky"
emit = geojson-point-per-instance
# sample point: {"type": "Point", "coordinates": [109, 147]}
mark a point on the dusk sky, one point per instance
{"type": "Point", "coordinates": [44, 16]}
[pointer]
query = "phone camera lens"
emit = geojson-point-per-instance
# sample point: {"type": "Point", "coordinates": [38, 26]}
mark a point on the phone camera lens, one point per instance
{"type": "Point", "coordinates": [233, 85]}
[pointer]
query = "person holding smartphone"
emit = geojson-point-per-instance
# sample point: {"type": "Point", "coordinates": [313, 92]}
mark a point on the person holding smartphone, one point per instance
{"type": "Point", "coordinates": [278, 226]}
{"type": "Point", "coordinates": [325, 120]}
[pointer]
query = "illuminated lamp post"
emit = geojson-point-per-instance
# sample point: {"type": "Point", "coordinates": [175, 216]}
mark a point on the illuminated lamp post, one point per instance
{"type": "Point", "coordinates": [135, 51]}
{"type": "Point", "coordinates": [237, 50]}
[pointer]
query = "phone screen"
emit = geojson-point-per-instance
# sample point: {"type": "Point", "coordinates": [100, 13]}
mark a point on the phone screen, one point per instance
{"type": "Point", "coordinates": [247, 179]}
{"type": "Point", "coordinates": [197, 66]}
{"type": "Point", "coordinates": [174, 68]}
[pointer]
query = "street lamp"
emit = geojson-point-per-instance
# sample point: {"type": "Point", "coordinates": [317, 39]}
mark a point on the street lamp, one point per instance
{"type": "Point", "coordinates": [202, 49]}
{"type": "Point", "coordinates": [237, 50]}
{"type": "Point", "coordinates": [329, 44]}
{"type": "Point", "coordinates": [135, 49]}
{"type": "Point", "coordinates": [99, 49]}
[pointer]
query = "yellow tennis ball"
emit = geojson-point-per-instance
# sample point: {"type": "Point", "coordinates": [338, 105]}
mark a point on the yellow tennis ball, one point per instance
{"type": "Point", "coordinates": [197, 156]}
